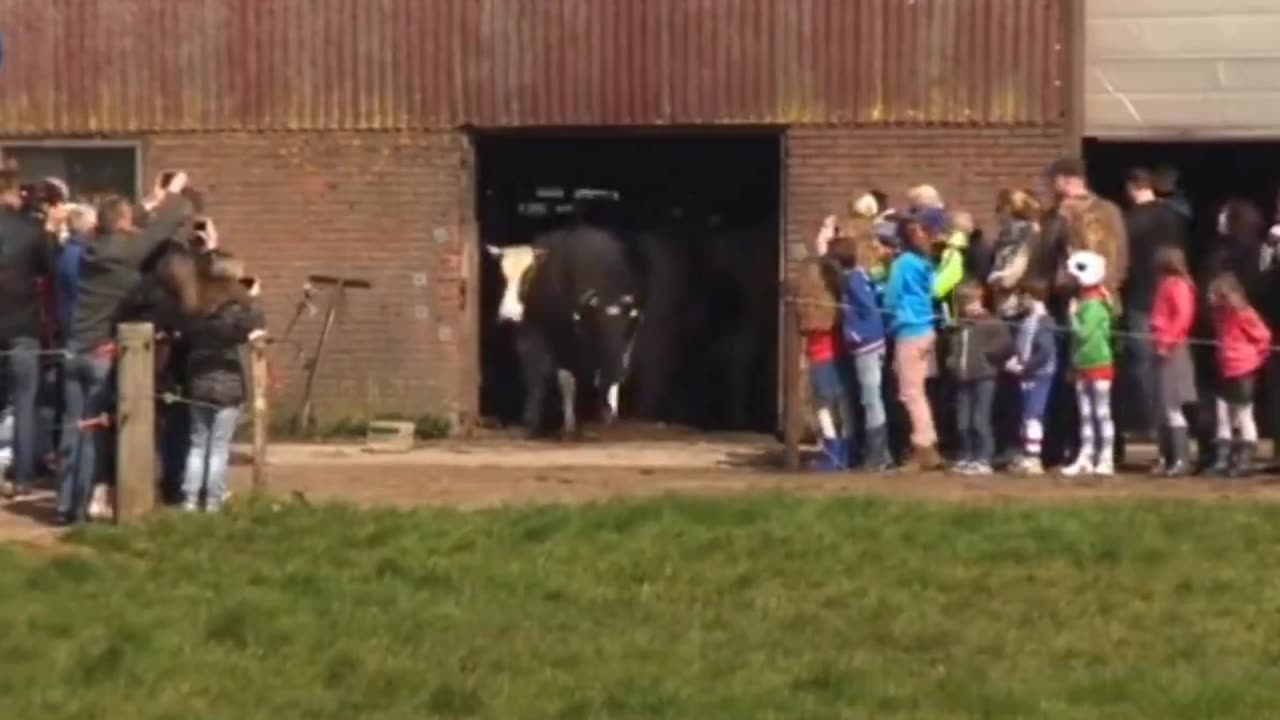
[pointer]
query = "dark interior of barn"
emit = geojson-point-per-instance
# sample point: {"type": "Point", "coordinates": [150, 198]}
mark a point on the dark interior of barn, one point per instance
{"type": "Point", "coordinates": [1209, 173]}
{"type": "Point", "coordinates": [699, 215]}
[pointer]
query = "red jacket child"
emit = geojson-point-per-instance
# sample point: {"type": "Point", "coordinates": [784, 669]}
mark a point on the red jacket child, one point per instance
{"type": "Point", "coordinates": [1243, 340]}
{"type": "Point", "coordinates": [1172, 313]}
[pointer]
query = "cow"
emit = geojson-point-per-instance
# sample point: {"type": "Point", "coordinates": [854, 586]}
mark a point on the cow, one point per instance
{"type": "Point", "coordinates": [570, 296]}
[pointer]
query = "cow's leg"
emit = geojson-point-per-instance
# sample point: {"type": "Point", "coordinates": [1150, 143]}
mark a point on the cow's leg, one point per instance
{"type": "Point", "coordinates": [568, 396]}
{"type": "Point", "coordinates": [535, 364]}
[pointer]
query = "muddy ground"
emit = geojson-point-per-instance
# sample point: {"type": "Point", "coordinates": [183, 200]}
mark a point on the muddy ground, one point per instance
{"type": "Point", "coordinates": [497, 471]}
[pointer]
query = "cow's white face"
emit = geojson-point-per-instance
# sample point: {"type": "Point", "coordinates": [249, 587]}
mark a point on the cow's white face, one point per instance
{"type": "Point", "coordinates": [515, 261]}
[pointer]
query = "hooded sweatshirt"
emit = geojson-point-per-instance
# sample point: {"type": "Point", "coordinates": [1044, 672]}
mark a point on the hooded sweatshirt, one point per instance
{"type": "Point", "coordinates": [1091, 335]}
{"type": "Point", "coordinates": [978, 348]}
{"type": "Point", "coordinates": [1172, 313]}
{"type": "Point", "coordinates": [1036, 344]}
{"type": "Point", "coordinates": [908, 296]}
{"type": "Point", "coordinates": [1244, 341]}
{"type": "Point", "coordinates": [863, 320]}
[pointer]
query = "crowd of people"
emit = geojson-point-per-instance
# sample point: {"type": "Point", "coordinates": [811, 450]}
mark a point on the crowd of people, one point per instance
{"type": "Point", "coordinates": [1064, 300]}
{"type": "Point", "coordinates": [70, 273]}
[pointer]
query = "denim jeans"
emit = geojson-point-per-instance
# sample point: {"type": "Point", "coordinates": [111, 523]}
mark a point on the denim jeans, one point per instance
{"type": "Point", "coordinates": [973, 419]}
{"type": "Point", "coordinates": [24, 387]}
{"type": "Point", "coordinates": [88, 390]}
{"type": "Point", "coordinates": [869, 368]}
{"type": "Point", "coordinates": [210, 453]}
{"type": "Point", "coordinates": [1139, 362]}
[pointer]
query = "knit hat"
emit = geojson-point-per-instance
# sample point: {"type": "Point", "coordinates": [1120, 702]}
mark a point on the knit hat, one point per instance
{"type": "Point", "coordinates": [1088, 268]}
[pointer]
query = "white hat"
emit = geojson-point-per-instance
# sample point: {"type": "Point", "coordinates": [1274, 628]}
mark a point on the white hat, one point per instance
{"type": "Point", "coordinates": [1087, 267]}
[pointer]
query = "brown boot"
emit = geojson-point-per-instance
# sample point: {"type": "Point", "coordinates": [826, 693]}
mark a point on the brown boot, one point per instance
{"type": "Point", "coordinates": [923, 459]}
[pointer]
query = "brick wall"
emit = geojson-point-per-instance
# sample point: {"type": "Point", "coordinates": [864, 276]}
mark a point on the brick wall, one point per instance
{"type": "Point", "coordinates": [968, 166]}
{"type": "Point", "coordinates": [389, 208]}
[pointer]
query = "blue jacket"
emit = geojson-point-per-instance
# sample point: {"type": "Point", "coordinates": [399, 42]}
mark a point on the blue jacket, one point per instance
{"type": "Point", "coordinates": [863, 318]}
{"type": "Point", "coordinates": [1037, 345]}
{"type": "Point", "coordinates": [908, 296]}
{"type": "Point", "coordinates": [66, 280]}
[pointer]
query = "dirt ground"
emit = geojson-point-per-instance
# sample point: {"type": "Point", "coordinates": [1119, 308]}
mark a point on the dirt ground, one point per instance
{"type": "Point", "coordinates": [496, 472]}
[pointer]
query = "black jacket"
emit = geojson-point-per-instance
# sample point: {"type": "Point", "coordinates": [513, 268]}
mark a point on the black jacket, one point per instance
{"type": "Point", "coordinates": [214, 371]}
{"type": "Point", "coordinates": [1151, 226]}
{"type": "Point", "coordinates": [978, 348]}
{"type": "Point", "coordinates": [111, 271]}
{"type": "Point", "coordinates": [25, 255]}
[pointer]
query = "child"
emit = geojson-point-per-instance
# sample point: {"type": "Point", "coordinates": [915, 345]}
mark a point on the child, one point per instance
{"type": "Point", "coordinates": [817, 306]}
{"type": "Point", "coordinates": [908, 302]}
{"type": "Point", "coordinates": [954, 244]}
{"type": "Point", "coordinates": [864, 337]}
{"type": "Point", "coordinates": [227, 315]}
{"type": "Point", "coordinates": [1092, 360]}
{"type": "Point", "coordinates": [981, 344]}
{"type": "Point", "coordinates": [1172, 314]}
{"type": "Point", "coordinates": [1034, 362]}
{"type": "Point", "coordinates": [1244, 342]}
{"type": "Point", "coordinates": [1019, 213]}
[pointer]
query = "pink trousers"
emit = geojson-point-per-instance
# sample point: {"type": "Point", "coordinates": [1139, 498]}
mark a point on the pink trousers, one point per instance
{"type": "Point", "coordinates": [912, 359]}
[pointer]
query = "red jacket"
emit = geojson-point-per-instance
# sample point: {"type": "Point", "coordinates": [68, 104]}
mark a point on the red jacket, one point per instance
{"type": "Point", "coordinates": [1243, 341]}
{"type": "Point", "coordinates": [820, 346]}
{"type": "Point", "coordinates": [1172, 313]}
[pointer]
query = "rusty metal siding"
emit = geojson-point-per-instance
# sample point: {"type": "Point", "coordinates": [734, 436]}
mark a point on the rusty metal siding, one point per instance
{"type": "Point", "coordinates": [118, 66]}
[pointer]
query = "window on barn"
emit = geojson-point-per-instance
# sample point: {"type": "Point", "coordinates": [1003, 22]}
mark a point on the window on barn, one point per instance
{"type": "Point", "coordinates": [90, 171]}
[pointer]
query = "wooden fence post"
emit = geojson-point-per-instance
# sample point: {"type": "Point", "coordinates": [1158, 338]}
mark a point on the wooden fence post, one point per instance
{"type": "Point", "coordinates": [261, 413]}
{"type": "Point", "coordinates": [135, 422]}
{"type": "Point", "coordinates": [792, 396]}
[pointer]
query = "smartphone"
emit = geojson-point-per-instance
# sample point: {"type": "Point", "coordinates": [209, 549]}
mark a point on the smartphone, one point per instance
{"type": "Point", "coordinates": [166, 178]}
{"type": "Point", "coordinates": [200, 226]}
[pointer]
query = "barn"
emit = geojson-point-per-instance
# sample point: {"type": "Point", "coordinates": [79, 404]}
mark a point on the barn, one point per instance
{"type": "Point", "coordinates": [387, 140]}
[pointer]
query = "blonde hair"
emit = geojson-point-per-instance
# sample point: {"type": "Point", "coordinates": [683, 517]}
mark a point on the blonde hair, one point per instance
{"type": "Point", "coordinates": [1018, 203]}
{"type": "Point", "coordinates": [82, 217]}
{"type": "Point", "coordinates": [925, 196]}
{"type": "Point", "coordinates": [865, 206]}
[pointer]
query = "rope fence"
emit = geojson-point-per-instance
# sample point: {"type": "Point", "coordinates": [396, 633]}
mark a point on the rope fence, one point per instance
{"type": "Point", "coordinates": [134, 416]}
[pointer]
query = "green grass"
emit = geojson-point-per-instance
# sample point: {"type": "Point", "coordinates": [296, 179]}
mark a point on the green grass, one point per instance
{"type": "Point", "coordinates": [770, 607]}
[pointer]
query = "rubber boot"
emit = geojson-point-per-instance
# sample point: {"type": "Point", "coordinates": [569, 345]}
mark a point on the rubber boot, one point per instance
{"type": "Point", "coordinates": [1221, 464]}
{"type": "Point", "coordinates": [832, 456]}
{"type": "Point", "coordinates": [850, 453]}
{"type": "Point", "coordinates": [1242, 460]}
{"type": "Point", "coordinates": [1179, 463]}
{"type": "Point", "coordinates": [876, 457]}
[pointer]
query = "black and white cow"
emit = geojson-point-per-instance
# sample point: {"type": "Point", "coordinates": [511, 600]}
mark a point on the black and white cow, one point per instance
{"type": "Point", "coordinates": [571, 297]}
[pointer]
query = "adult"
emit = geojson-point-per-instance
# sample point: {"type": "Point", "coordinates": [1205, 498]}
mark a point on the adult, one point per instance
{"type": "Point", "coordinates": [1150, 225]}
{"type": "Point", "coordinates": [109, 271]}
{"type": "Point", "coordinates": [1164, 180]}
{"type": "Point", "coordinates": [1082, 220]}
{"type": "Point", "coordinates": [1079, 219]}
{"type": "Point", "coordinates": [25, 246]}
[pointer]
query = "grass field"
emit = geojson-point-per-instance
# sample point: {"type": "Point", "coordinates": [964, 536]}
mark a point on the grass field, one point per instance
{"type": "Point", "coordinates": [765, 607]}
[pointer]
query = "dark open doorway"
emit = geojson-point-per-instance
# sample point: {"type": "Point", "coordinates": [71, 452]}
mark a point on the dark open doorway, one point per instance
{"type": "Point", "coordinates": [699, 214]}
{"type": "Point", "coordinates": [1209, 173]}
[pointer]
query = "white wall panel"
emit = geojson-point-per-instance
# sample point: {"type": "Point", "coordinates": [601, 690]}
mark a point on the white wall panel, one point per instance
{"type": "Point", "coordinates": [1170, 68]}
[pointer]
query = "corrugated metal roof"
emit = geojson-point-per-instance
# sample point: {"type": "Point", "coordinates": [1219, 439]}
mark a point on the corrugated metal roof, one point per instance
{"type": "Point", "coordinates": [118, 66]}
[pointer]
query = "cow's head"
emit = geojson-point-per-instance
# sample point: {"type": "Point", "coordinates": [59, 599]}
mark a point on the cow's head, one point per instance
{"type": "Point", "coordinates": [608, 325]}
{"type": "Point", "coordinates": [517, 263]}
